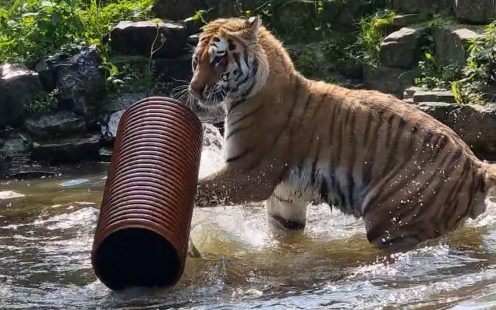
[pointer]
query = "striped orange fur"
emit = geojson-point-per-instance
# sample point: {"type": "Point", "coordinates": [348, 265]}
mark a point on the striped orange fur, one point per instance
{"type": "Point", "coordinates": [290, 141]}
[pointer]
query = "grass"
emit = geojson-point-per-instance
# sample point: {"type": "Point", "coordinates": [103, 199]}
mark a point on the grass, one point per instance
{"type": "Point", "coordinates": [33, 29]}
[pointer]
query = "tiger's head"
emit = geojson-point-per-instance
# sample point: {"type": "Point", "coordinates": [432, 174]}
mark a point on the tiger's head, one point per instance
{"type": "Point", "coordinates": [229, 63]}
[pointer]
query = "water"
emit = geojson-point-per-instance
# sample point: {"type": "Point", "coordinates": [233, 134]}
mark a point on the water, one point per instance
{"type": "Point", "coordinates": [46, 233]}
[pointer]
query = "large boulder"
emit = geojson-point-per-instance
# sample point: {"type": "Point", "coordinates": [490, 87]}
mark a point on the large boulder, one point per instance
{"type": "Point", "coordinates": [59, 124]}
{"type": "Point", "coordinates": [401, 48]}
{"type": "Point", "coordinates": [422, 6]}
{"type": "Point", "coordinates": [177, 71]}
{"type": "Point", "coordinates": [389, 80]}
{"type": "Point", "coordinates": [67, 150]}
{"type": "Point", "coordinates": [18, 88]}
{"type": "Point", "coordinates": [137, 38]}
{"type": "Point", "coordinates": [475, 124]}
{"type": "Point", "coordinates": [475, 11]}
{"type": "Point", "coordinates": [182, 9]}
{"type": "Point", "coordinates": [451, 43]}
{"type": "Point", "coordinates": [82, 82]}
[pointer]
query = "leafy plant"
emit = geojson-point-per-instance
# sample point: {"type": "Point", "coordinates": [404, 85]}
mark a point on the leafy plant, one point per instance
{"type": "Point", "coordinates": [371, 33]}
{"type": "Point", "coordinates": [43, 104]}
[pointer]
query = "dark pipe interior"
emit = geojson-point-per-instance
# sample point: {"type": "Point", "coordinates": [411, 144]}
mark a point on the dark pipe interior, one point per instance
{"type": "Point", "coordinates": [136, 257]}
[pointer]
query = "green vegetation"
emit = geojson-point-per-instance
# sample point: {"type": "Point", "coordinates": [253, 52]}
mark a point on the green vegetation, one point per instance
{"type": "Point", "coordinates": [473, 83]}
{"type": "Point", "coordinates": [43, 104]}
{"type": "Point", "coordinates": [31, 29]}
{"type": "Point", "coordinates": [372, 31]}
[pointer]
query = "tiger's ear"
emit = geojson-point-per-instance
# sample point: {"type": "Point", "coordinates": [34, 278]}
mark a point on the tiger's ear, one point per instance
{"type": "Point", "coordinates": [252, 26]}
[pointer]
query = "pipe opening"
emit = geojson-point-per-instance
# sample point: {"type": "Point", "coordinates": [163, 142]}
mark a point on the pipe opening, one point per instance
{"type": "Point", "coordinates": [136, 257]}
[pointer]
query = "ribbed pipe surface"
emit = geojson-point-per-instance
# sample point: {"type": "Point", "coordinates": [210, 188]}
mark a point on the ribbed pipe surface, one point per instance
{"type": "Point", "coordinates": [143, 228]}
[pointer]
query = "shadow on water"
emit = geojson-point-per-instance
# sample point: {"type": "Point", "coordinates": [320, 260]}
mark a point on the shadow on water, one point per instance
{"type": "Point", "coordinates": [46, 232]}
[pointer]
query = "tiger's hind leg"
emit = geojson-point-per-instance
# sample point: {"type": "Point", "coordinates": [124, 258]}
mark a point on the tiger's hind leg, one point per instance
{"type": "Point", "coordinates": [286, 209]}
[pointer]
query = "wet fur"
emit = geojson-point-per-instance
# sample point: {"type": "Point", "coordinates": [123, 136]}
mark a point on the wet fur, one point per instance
{"type": "Point", "coordinates": [296, 141]}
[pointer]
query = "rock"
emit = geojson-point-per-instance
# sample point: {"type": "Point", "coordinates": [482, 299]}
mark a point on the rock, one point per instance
{"type": "Point", "coordinates": [422, 6]}
{"type": "Point", "coordinates": [175, 71]}
{"type": "Point", "coordinates": [105, 154]}
{"type": "Point", "coordinates": [109, 128]}
{"type": "Point", "coordinates": [388, 80]}
{"type": "Point", "coordinates": [177, 9]}
{"type": "Point", "coordinates": [18, 88]}
{"type": "Point", "coordinates": [120, 102]}
{"type": "Point", "coordinates": [434, 96]}
{"type": "Point", "coordinates": [68, 150]}
{"type": "Point", "coordinates": [475, 124]}
{"type": "Point", "coordinates": [442, 111]}
{"type": "Point", "coordinates": [410, 91]}
{"type": "Point", "coordinates": [14, 154]}
{"type": "Point", "coordinates": [475, 11]}
{"type": "Point", "coordinates": [82, 82]}
{"type": "Point", "coordinates": [450, 42]}
{"type": "Point", "coordinates": [182, 9]}
{"type": "Point", "coordinates": [136, 38]}
{"type": "Point", "coordinates": [401, 48]}
{"type": "Point", "coordinates": [404, 20]}
{"type": "Point", "coordinates": [59, 124]}
{"type": "Point", "coordinates": [47, 69]}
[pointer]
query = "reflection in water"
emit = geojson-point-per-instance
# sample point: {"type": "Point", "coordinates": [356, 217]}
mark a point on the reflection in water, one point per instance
{"type": "Point", "coordinates": [46, 232]}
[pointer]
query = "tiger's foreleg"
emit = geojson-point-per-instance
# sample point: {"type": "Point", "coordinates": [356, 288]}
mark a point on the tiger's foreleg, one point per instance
{"type": "Point", "coordinates": [231, 186]}
{"type": "Point", "coordinates": [286, 209]}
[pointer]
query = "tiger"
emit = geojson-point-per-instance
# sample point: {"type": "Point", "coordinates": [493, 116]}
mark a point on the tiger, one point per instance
{"type": "Point", "coordinates": [290, 141]}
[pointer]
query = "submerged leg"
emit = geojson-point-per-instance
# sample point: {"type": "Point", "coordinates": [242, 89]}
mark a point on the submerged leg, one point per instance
{"type": "Point", "coordinates": [286, 209]}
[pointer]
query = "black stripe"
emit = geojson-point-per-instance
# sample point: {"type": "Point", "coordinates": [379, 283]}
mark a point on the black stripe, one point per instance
{"type": "Point", "coordinates": [260, 106]}
{"type": "Point", "coordinates": [324, 191]}
{"type": "Point", "coordinates": [237, 130]}
{"type": "Point", "coordinates": [291, 111]}
{"type": "Point", "coordinates": [351, 180]}
{"type": "Point", "coordinates": [234, 105]}
{"type": "Point", "coordinates": [241, 155]}
{"type": "Point", "coordinates": [394, 173]}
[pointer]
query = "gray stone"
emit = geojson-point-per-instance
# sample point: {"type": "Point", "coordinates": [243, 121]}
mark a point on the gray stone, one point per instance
{"type": "Point", "coordinates": [136, 38]}
{"type": "Point", "coordinates": [404, 20]}
{"type": "Point", "coordinates": [422, 6]}
{"type": "Point", "coordinates": [442, 111]}
{"type": "Point", "coordinates": [120, 102]}
{"type": "Point", "coordinates": [475, 11]}
{"type": "Point", "coordinates": [451, 41]}
{"type": "Point", "coordinates": [59, 124]}
{"type": "Point", "coordinates": [475, 124]}
{"type": "Point", "coordinates": [434, 96]}
{"type": "Point", "coordinates": [109, 128]}
{"type": "Point", "coordinates": [401, 48]}
{"type": "Point", "coordinates": [410, 91]}
{"type": "Point", "coordinates": [47, 69]}
{"type": "Point", "coordinates": [177, 71]}
{"type": "Point", "coordinates": [18, 88]}
{"type": "Point", "coordinates": [388, 80]}
{"type": "Point", "coordinates": [69, 150]}
{"type": "Point", "coordinates": [177, 9]}
{"type": "Point", "coordinates": [14, 154]}
{"type": "Point", "coordinates": [182, 9]}
{"type": "Point", "coordinates": [105, 154]}
{"type": "Point", "coordinates": [82, 82]}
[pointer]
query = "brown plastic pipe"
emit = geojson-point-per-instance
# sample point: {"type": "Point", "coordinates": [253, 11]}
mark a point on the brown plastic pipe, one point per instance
{"type": "Point", "coordinates": [143, 228]}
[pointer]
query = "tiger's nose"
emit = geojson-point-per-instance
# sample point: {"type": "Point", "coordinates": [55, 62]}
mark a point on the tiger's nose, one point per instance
{"type": "Point", "coordinates": [196, 89]}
